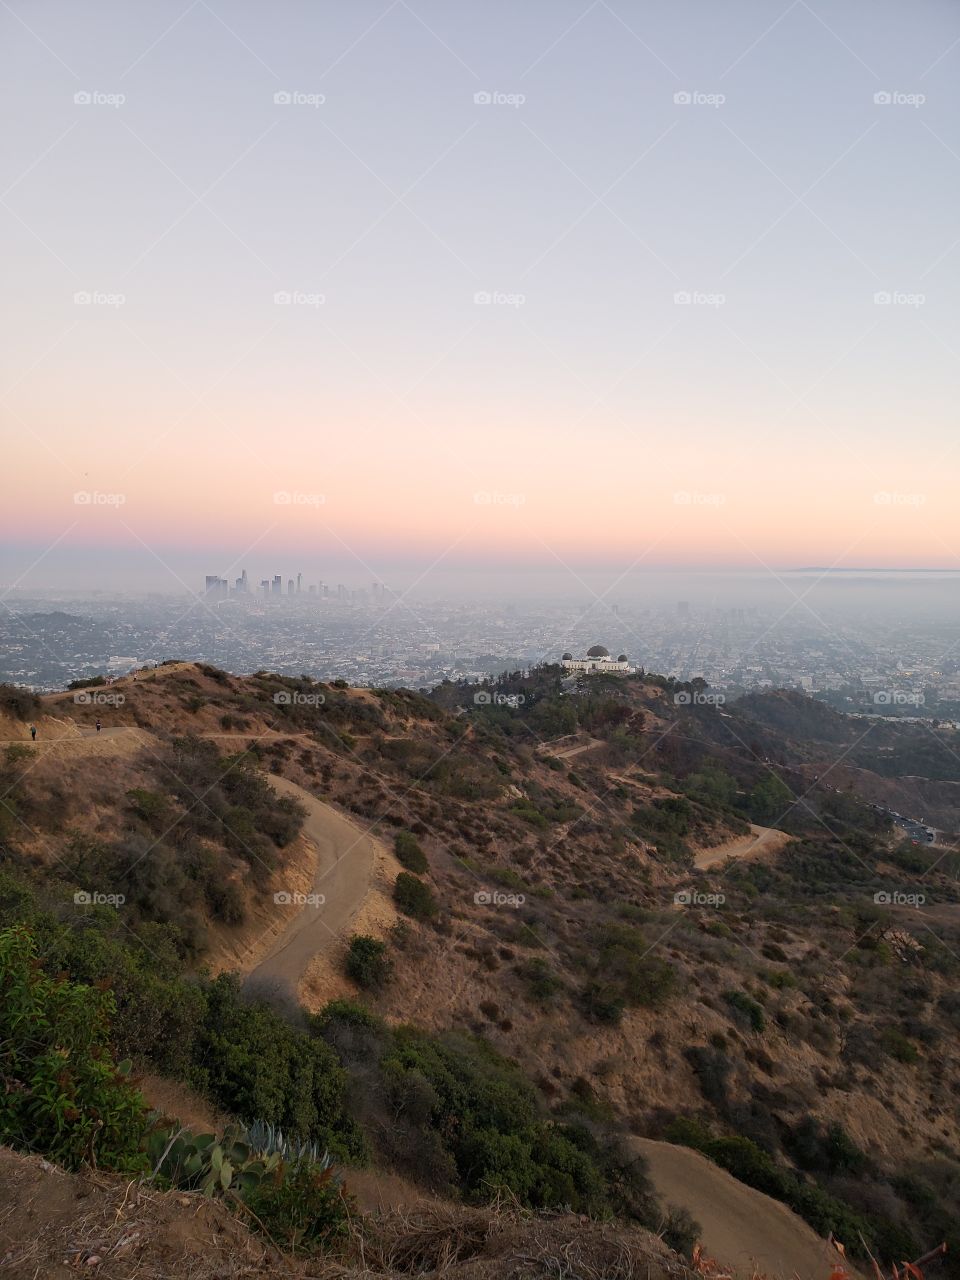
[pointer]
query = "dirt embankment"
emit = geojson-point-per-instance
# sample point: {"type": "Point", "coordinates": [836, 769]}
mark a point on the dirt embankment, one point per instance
{"type": "Point", "coordinates": [58, 1225]}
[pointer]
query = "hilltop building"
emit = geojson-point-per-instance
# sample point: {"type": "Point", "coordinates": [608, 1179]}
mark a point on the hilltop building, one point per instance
{"type": "Point", "coordinates": [598, 662]}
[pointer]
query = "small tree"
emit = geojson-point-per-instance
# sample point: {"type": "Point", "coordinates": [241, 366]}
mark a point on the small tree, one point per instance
{"type": "Point", "coordinates": [368, 963]}
{"type": "Point", "coordinates": [413, 897]}
{"type": "Point", "coordinates": [409, 854]}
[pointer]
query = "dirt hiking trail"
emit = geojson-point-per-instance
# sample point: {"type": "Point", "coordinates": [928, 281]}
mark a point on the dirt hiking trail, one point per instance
{"type": "Point", "coordinates": [761, 840]}
{"type": "Point", "coordinates": [741, 1227]}
{"type": "Point", "coordinates": [345, 864]}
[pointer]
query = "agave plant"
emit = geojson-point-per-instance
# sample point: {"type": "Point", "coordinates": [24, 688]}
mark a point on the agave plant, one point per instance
{"type": "Point", "coordinates": [268, 1140]}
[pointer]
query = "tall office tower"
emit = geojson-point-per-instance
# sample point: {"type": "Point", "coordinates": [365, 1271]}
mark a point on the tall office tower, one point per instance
{"type": "Point", "coordinates": [265, 586]}
{"type": "Point", "coordinates": [211, 582]}
{"type": "Point", "coordinates": [299, 577]}
{"type": "Point", "coordinates": [325, 590]}
{"type": "Point", "coordinates": [290, 587]}
{"type": "Point", "coordinates": [243, 579]}
{"type": "Point", "coordinates": [277, 585]}
{"type": "Point", "coordinates": [311, 590]}
{"type": "Point", "coordinates": [342, 592]}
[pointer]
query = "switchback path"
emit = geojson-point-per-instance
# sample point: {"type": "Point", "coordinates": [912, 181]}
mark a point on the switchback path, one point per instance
{"type": "Point", "coordinates": [760, 840]}
{"type": "Point", "coordinates": [345, 864]}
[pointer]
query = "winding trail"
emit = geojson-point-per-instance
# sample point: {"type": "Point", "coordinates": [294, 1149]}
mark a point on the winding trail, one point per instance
{"type": "Point", "coordinates": [760, 840]}
{"type": "Point", "coordinates": [345, 861]}
{"type": "Point", "coordinates": [742, 1228]}
{"type": "Point", "coordinates": [345, 857]}
{"type": "Point", "coordinates": [560, 748]}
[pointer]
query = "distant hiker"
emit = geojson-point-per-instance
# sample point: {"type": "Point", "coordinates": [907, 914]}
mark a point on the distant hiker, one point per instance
{"type": "Point", "coordinates": [98, 724]}
{"type": "Point", "coordinates": [33, 732]}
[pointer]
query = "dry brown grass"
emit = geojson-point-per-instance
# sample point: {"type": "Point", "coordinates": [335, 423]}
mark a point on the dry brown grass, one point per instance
{"type": "Point", "coordinates": [55, 1224]}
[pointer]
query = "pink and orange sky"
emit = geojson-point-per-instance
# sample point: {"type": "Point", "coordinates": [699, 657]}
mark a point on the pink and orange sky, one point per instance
{"type": "Point", "coordinates": [396, 285]}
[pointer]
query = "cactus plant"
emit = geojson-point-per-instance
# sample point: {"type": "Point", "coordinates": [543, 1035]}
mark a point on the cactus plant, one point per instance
{"type": "Point", "coordinates": [204, 1162]}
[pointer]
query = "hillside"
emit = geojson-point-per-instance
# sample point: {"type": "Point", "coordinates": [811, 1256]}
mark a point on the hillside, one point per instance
{"type": "Point", "coordinates": [636, 914]}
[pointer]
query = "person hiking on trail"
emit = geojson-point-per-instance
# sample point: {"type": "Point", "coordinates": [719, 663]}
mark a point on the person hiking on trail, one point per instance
{"type": "Point", "coordinates": [33, 732]}
{"type": "Point", "coordinates": [98, 724]}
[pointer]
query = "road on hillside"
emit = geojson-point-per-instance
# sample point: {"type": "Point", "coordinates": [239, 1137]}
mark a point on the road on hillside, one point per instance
{"type": "Point", "coordinates": [760, 840]}
{"type": "Point", "coordinates": [742, 1228]}
{"type": "Point", "coordinates": [345, 863]}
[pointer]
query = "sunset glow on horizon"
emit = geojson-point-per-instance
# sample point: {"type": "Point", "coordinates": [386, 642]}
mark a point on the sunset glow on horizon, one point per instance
{"type": "Point", "coordinates": [420, 288]}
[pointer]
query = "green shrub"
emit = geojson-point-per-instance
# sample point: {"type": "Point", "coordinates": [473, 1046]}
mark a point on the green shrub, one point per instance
{"type": "Point", "coordinates": [624, 973]}
{"type": "Point", "coordinates": [752, 1011]}
{"type": "Point", "coordinates": [898, 1046]}
{"type": "Point", "coordinates": [541, 979]}
{"type": "Point", "coordinates": [414, 897]}
{"type": "Point", "coordinates": [409, 854]}
{"type": "Point", "coordinates": [62, 1093]}
{"type": "Point", "coordinates": [368, 963]}
{"type": "Point", "coordinates": [303, 1208]}
{"type": "Point", "coordinates": [485, 1115]}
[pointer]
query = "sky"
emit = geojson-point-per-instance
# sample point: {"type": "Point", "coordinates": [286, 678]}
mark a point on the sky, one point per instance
{"type": "Point", "coordinates": [389, 290]}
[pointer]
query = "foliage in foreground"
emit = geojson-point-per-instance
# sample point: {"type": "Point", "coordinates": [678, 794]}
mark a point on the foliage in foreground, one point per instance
{"type": "Point", "coordinates": [62, 1093]}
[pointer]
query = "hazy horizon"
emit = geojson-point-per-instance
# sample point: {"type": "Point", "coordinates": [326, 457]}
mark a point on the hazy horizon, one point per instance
{"type": "Point", "coordinates": [413, 290]}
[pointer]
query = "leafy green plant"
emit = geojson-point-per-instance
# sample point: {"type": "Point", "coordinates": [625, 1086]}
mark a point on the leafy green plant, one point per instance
{"type": "Point", "coordinates": [409, 854]}
{"type": "Point", "coordinates": [752, 1011]}
{"type": "Point", "coordinates": [367, 962]}
{"type": "Point", "coordinates": [203, 1162]}
{"type": "Point", "coordinates": [414, 897]}
{"type": "Point", "coordinates": [302, 1207]}
{"type": "Point", "coordinates": [62, 1093]}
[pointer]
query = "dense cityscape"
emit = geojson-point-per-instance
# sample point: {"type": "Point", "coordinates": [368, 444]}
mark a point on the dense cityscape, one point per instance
{"type": "Point", "coordinates": [373, 635]}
